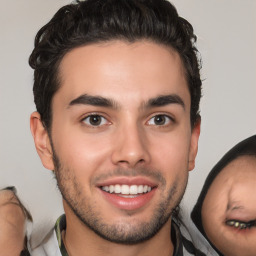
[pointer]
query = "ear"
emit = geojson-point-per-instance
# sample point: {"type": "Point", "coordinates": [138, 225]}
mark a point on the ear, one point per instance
{"type": "Point", "coordinates": [194, 144]}
{"type": "Point", "coordinates": [42, 140]}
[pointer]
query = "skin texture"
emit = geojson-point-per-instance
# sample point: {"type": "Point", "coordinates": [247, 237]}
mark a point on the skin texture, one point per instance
{"type": "Point", "coordinates": [127, 144]}
{"type": "Point", "coordinates": [12, 224]}
{"type": "Point", "coordinates": [232, 196]}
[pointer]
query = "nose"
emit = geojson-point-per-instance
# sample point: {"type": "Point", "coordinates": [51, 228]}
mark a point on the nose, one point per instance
{"type": "Point", "coordinates": [131, 147]}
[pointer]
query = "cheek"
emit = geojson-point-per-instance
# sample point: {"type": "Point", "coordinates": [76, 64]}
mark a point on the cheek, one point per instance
{"type": "Point", "coordinates": [213, 211]}
{"type": "Point", "coordinates": [172, 151]}
{"type": "Point", "coordinates": [12, 224]}
{"type": "Point", "coordinates": [81, 151]}
{"type": "Point", "coordinates": [170, 156]}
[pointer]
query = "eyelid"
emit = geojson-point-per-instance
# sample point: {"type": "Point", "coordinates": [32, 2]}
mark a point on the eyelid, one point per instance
{"type": "Point", "coordinates": [93, 113]}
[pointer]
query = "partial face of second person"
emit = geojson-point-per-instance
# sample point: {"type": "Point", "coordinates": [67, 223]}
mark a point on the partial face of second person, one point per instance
{"type": "Point", "coordinates": [12, 224]}
{"type": "Point", "coordinates": [229, 208]}
{"type": "Point", "coordinates": [122, 137]}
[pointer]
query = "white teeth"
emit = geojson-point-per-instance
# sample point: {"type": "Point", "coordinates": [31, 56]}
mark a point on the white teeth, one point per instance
{"type": "Point", "coordinates": [111, 189]}
{"type": "Point", "coordinates": [117, 189]}
{"type": "Point", "coordinates": [140, 189]}
{"type": "Point", "coordinates": [133, 190]}
{"type": "Point", "coordinates": [126, 189]}
{"type": "Point", "coordinates": [105, 188]}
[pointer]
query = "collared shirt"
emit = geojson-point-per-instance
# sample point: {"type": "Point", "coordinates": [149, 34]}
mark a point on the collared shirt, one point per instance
{"type": "Point", "coordinates": [53, 245]}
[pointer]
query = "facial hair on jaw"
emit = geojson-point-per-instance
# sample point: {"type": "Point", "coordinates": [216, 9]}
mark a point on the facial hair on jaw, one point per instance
{"type": "Point", "coordinates": [122, 233]}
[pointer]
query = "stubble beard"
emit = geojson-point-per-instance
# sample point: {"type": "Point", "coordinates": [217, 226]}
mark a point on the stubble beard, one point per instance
{"type": "Point", "coordinates": [123, 232]}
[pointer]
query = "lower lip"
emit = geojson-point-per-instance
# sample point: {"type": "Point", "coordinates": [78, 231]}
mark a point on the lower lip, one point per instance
{"type": "Point", "coordinates": [129, 204]}
{"type": "Point", "coordinates": [248, 231]}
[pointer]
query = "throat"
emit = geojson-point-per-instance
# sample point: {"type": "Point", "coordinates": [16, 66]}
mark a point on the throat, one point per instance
{"type": "Point", "coordinates": [64, 246]}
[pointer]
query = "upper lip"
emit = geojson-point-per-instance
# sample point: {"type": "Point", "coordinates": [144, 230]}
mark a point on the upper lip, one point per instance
{"type": "Point", "coordinates": [241, 215]}
{"type": "Point", "coordinates": [127, 181]}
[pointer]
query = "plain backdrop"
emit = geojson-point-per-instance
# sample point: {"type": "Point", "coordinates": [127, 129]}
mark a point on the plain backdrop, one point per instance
{"type": "Point", "coordinates": [226, 31]}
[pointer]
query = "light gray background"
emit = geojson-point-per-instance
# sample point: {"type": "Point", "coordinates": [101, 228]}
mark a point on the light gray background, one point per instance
{"type": "Point", "coordinates": [226, 32]}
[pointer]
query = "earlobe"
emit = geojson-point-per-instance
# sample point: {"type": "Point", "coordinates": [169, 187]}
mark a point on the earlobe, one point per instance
{"type": "Point", "coordinates": [194, 144]}
{"type": "Point", "coordinates": [42, 140]}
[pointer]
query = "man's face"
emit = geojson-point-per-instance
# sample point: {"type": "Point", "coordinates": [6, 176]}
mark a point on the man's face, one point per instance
{"type": "Point", "coordinates": [229, 208]}
{"type": "Point", "coordinates": [122, 138]}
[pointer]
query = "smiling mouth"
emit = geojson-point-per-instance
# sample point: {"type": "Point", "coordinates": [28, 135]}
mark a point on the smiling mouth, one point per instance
{"type": "Point", "coordinates": [241, 224]}
{"type": "Point", "coordinates": [128, 191]}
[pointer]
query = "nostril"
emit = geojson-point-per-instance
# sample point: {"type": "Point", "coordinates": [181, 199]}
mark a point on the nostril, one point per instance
{"type": "Point", "coordinates": [131, 162]}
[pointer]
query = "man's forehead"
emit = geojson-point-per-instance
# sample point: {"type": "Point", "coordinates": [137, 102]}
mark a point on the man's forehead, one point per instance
{"type": "Point", "coordinates": [114, 51]}
{"type": "Point", "coordinates": [117, 67]}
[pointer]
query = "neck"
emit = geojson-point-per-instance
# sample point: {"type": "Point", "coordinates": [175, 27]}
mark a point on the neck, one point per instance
{"type": "Point", "coordinates": [82, 241]}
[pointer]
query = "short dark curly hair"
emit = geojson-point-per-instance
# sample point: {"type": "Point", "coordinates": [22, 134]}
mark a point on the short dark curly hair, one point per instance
{"type": "Point", "coordinates": [93, 21]}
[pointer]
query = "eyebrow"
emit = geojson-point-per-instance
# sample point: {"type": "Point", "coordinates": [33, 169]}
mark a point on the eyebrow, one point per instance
{"type": "Point", "coordinates": [164, 100]}
{"type": "Point", "coordinates": [99, 101]}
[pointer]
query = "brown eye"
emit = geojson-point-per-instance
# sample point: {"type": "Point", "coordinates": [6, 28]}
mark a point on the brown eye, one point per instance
{"type": "Point", "coordinates": [95, 120]}
{"type": "Point", "coordinates": [160, 120]}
